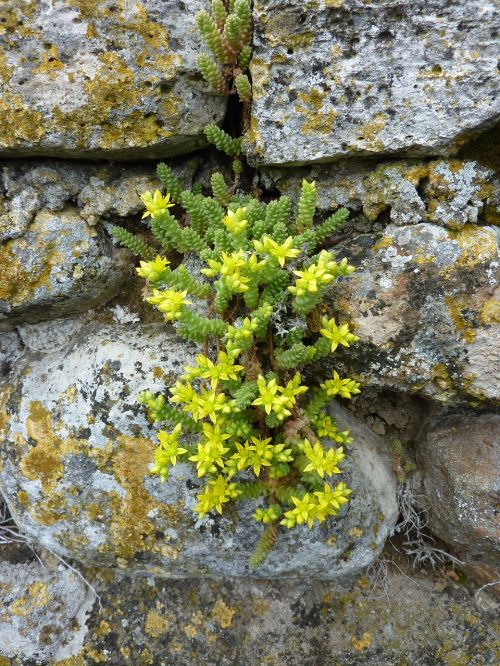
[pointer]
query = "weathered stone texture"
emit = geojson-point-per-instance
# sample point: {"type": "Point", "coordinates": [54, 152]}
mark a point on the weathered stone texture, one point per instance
{"type": "Point", "coordinates": [42, 612]}
{"type": "Point", "coordinates": [91, 78]}
{"type": "Point", "coordinates": [424, 301]}
{"type": "Point", "coordinates": [56, 258]}
{"type": "Point", "coordinates": [448, 193]}
{"type": "Point", "coordinates": [460, 461]}
{"type": "Point", "coordinates": [76, 471]}
{"type": "Point", "coordinates": [59, 266]}
{"type": "Point", "coordinates": [340, 78]}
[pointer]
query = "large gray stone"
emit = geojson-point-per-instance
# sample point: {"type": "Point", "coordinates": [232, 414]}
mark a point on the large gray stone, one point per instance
{"type": "Point", "coordinates": [338, 78]}
{"type": "Point", "coordinates": [42, 611]}
{"type": "Point", "coordinates": [100, 192]}
{"type": "Point", "coordinates": [102, 78]}
{"type": "Point", "coordinates": [449, 193]}
{"type": "Point", "coordinates": [75, 471]}
{"type": "Point", "coordinates": [59, 266]}
{"type": "Point", "coordinates": [424, 302]}
{"type": "Point", "coordinates": [460, 461]}
{"type": "Point", "coordinates": [56, 258]}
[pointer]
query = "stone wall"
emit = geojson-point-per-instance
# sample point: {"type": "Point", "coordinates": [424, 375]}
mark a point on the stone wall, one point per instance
{"type": "Point", "coordinates": [393, 109]}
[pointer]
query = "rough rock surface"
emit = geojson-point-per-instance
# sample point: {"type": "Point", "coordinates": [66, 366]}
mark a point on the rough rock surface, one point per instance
{"type": "Point", "coordinates": [60, 265]}
{"type": "Point", "coordinates": [89, 78]}
{"type": "Point", "coordinates": [337, 78]}
{"type": "Point", "coordinates": [42, 612]}
{"type": "Point", "coordinates": [424, 301]}
{"type": "Point", "coordinates": [100, 192]}
{"type": "Point", "coordinates": [449, 193]}
{"type": "Point", "coordinates": [460, 461]}
{"type": "Point", "coordinates": [76, 471]}
{"type": "Point", "coordinates": [393, 615]}
{"type": "Point", "coordinates": [55, 258]}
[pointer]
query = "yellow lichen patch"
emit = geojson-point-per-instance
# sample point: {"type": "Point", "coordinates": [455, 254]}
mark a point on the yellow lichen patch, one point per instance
{"type": "Point", "coordinates": [279, 32]}
{"type": "Point", "coordinates": [103, 629]}
{"type": "Point", "coordinates": [360, 644]}
{"type": "Point", "coordinates": [335, 4]}
{"type": "Point", "coordinates": [13, 18]}
{"type": "Point", "coordinates": [370, 131]}
{"type": "Point", "coordinates": [50, 510]}
{"type": "Point", "coordinates": [87, 8]}
{"type": "Point", "coordinates": [223, 614]}
{"type": "Point", "coordinates": [421, 257]}
{"type": "Point", "coordinates": [317, 119]}
{"type": "Point", "coordinates": [478, 245]}
{"type": "Point", "coordinates": [39, 594]}
{"type": "Point", "coordinates": [260, 77]}
{"type": "Point", "coordinates": [456, 306]}
{"type": "Point", "coordinates": [190, 631]}
{"type": "Point", "coordinates": [5, 70]}
{"type": "Point", "coordinates": [5, 393]}
{"type": "Point", "coordinates": [20, 607]}
{"type": "Point", "coordinates": [18, 123]}
{"type": "Point", "coordinates": [490, 313]}
{"type": "Point", "coordinates": [44, 460]}
{"type": "Point", "coordinates": [387, 241]}
{"type": "Point", "coordinates": [441, 377]}
{"type": "Point", "coordinates": [130, 525]}
{"type": "Point", "coordinates": [50, 62]}
{"type": "Point", "coordinates": [156, 624]}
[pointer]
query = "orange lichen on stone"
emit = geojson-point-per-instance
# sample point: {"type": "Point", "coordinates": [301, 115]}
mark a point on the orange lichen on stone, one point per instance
{"type": "Point", "coordinates": [478, 245]}
{"type": "Point", "coordinates": [44, 460]}
{"type": "Point", "coordinates": [131, 527]}
{"type": "Point", "coordinates": [223, 614]}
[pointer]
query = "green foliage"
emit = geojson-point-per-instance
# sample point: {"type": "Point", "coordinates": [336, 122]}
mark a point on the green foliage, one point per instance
{"type": "Point", "coordinates": [169, 181]}
{"type": "Point", "coordinates": [132, 242]}
{"type": "Point", "coordinates": [227, 34]}
{"type": "Point", "coordinates": [244, 87]}
{"type": "Point", "coordinates": [222, 141]}
{"type": "Point", "coordinates": [264, 546]}
{"type": "Point", "coordinates": [242, 414]}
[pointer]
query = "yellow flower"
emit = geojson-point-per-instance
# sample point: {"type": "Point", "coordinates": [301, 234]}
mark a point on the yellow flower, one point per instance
{"type": "Point", "coordinates": [343, 387]}
{"type": "Point", "coordinates": [170, 302]}
{"type": "Point", "coordinates": [153, 270]}
{"type": "Point", "coordinates": [167, 452]}
{"type": "Point", "coordinates": [280, 252]}
{"type": "Point", "coordinates": [305, 511]}
{"type": "Point", "coordinates": [339, 335]}
{"type": "Point", "coordinates": [321, 461]}
{"type": "Point", "coordinates": [215, 494]}
{"type": "Point", "coordinates": [235, 221]}
{"type": "Point", "coordinates": [156, 204]}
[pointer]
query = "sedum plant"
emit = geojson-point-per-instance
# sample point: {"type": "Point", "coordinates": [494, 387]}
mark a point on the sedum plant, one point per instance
{"type": "Point", "coordinates": [251, 294]}
{"type": "Point", "coordinates": [227, 33]}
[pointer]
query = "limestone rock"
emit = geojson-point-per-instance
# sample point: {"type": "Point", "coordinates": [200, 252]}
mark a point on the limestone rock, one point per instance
{"type": "Point", "coordinates": [43, 612]}
{"type": "Point", "coordinates": [348, 77]}
{"type": "Point", "coordinates": [424, 301]}
{"type": "Point", "coordinates": [59, 266]}
{"type": "Point", "coordinates": [460, 461]}
{"type": "Point", "coordinates": [75, 472]}
{"type": "Point", "coordinates": [390, 616]}
{"type": "Point", "coordinates": [100, 192]}
{"type": "Point", "coordinates": [449, 193]}
{"type": "Point", "coordinates": [101, 78]}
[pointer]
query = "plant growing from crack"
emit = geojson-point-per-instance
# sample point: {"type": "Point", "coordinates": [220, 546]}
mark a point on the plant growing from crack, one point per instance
{"type": "Point", "coordinates": [252, 297]}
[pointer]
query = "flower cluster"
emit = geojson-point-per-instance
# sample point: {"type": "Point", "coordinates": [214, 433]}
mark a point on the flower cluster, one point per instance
{"type": "Point", "coordinates": [241, 414]}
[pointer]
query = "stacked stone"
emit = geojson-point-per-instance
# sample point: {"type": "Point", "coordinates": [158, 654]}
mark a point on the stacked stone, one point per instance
{"type": "Point", "coordinates": [392, 108]}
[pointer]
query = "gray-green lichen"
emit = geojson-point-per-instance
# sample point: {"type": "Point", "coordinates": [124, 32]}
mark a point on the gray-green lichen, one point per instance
{"type": "Point", "coordinates": [104, 77]}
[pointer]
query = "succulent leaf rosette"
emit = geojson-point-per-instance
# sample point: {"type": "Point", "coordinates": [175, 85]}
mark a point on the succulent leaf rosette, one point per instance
{"type": "Point", "coordinates": [242, 414]}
